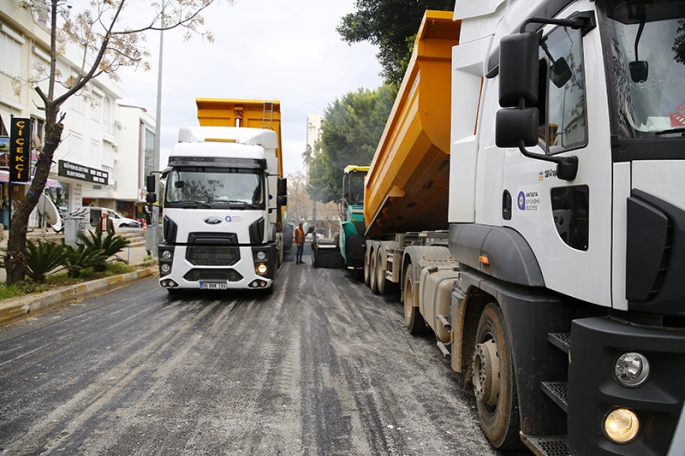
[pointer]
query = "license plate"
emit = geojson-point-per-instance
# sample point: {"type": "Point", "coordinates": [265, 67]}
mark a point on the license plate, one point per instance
{"type": "Point", "coordinates": [213, 285]}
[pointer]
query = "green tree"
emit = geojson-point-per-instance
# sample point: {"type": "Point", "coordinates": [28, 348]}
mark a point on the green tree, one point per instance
{"type": "Point", "coordinates": [392, 26]}
{"type": "Point", "coordinates": [105, 46]}
{"type": "Point", "coordinates": [349, 136]}
{"type": "Point", "coordinates": [299, 202]}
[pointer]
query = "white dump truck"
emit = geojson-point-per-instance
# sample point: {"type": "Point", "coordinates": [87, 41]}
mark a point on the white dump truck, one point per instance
{"type": "Point", "coordinates": [223, 200]}
{"type": "Point", "coordinates": [527, 198]}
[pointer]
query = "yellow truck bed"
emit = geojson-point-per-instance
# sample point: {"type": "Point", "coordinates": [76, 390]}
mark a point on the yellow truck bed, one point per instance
{"type": "Point", "coordinates": [407, 184]}
{"type": "Point", "coordinates": [222, 112]}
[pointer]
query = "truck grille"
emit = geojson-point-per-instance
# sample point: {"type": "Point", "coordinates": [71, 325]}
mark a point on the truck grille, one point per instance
{"type": "Point", "coordinates": [206, 255]}
{"type": "Point", "coordinates": [229, 275]}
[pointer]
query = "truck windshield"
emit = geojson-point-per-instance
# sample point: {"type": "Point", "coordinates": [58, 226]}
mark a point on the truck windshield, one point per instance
{"type": "Point", "coordinates": [648, 54]}
{"type": "Point", "coordinates": [215, 186]}
{"type": "Point", "coordinates": [355, 192]}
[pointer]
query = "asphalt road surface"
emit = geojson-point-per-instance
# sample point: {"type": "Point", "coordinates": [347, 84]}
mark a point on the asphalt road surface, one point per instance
{"type": "Point", "coordinates": [319, 367]}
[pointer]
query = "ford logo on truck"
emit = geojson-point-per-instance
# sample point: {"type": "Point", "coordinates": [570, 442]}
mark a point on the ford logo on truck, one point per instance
{"type": "Point", "coordinates": [212, 221]}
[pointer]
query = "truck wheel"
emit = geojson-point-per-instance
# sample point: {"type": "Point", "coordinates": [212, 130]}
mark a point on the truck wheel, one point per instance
{"type": "Point", "coordinates": [413, 320]}
{"type": "Point", "coordinates": [373, 276]}
{"type": "Point", "coordinates": [494, 383]}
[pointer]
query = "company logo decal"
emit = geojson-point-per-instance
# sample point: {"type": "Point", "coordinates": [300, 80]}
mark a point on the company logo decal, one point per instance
{"type": "Point", "coordinates": [522, 201]}
{"type": "Point", "coordinates": [212, 221]}
{"type": "Point", "coordinates": [529, 199]}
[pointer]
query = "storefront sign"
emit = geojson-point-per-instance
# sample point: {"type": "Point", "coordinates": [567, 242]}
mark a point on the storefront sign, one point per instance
{"type": "Point", "coordinates": [78, 196]}
{"type": "Point", "coordinates": [80, 172]}
{"type": "Point", "coordinates": [20, 149]}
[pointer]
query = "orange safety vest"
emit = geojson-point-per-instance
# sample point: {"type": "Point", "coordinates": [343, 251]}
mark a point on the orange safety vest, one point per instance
{"type": "Point", "coordinates": [299, 235]}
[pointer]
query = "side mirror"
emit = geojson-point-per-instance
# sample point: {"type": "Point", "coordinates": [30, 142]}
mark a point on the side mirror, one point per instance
{"type": "Point", "coordinates": [151, 197]}
{"type": "Point", "coordinates": [283, 186]}
{"type": "Point", "coordinates": [514, 125]}
{"type": "Point", "coordinates": [560, 72]}
{"type": "Point", "coordinates": [281, 200]}
{"type": "Point", "coordinates": [151, 183]}
{"type": "Point", "coordinates": [518, 69]}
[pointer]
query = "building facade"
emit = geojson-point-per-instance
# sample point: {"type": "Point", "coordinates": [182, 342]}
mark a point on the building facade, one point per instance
{"type": "Point", "coordinates": [100, 160]}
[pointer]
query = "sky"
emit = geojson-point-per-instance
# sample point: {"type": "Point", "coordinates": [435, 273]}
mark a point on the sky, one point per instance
{"type": "Point", "coordinates": [263, 49]}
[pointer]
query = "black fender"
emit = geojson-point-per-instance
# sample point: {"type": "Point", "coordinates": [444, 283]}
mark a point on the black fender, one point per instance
{"type": "Point", "coordinates": [510, 257]}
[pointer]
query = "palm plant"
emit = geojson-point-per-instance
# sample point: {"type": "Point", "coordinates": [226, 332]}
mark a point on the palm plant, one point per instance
{"type": "Point", "coordinates": [43, 258]}
{"type": "Point", "coordinates": [81, 257]}
{"type": "Point", "coordinates": [109, 246]}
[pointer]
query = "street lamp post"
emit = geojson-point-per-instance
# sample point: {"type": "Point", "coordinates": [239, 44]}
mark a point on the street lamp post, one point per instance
{"type": "Point", "coordinates": [155, 231]}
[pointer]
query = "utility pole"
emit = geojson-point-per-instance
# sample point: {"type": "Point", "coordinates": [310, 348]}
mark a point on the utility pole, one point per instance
{"type": "Point", "coordinates": [155, 230]}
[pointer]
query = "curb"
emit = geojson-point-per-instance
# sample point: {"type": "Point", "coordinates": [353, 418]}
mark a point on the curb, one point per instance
{"type": "Point", "coordinates": [21, 308]}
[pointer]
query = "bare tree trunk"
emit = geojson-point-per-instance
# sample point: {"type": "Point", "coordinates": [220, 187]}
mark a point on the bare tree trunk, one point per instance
{"type": "Point", "coordinates": [16, 258]}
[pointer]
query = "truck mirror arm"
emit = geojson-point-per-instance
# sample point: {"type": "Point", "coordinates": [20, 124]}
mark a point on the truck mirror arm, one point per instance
{"type": "Point", "coordinates": [585, 21]}
{"type": "Point", "coordinates": [567, 167]}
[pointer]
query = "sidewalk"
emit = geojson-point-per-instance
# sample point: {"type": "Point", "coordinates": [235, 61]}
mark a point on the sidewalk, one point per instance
{"type": "Point", "coordinates": [17, 309]}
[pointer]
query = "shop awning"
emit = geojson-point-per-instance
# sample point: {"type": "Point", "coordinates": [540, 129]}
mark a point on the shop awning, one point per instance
{"type": "Point", "coordinates": [5, 178]}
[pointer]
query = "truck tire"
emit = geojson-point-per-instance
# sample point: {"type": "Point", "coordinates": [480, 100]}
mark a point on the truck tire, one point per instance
{"type": "Point", "coordinates": [367, 268]}
{"type": "Point", "coordinates": [494, 383]}
{"type": "Point", "coordinates": [413, 320]}
{"type": "Point", "coordinates": [373, 275]}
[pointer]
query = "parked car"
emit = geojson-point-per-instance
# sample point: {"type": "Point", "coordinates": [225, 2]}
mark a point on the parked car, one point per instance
{"type": "Point", "coordinates": [119, 220]}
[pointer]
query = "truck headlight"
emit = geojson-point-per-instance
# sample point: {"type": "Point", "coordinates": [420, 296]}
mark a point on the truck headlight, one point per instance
{"type": "Point", "coordinates": [631, 369]}
{"type": "Point", "coordinates": [621, 426]}
{"type": "Point", "coordinates": [165, 268]}
{"type": "Point", "coordinates": [261, 269]}
{"type": "Point", "coordinates": [261, 255]}
{"type": "Point", "coordinates": [166, 254]}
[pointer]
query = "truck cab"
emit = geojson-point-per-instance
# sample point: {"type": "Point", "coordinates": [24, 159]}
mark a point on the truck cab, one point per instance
{"type": "Point", "coordinates": [221, 201]}
{"type": "Point", "coordinates": [578, 197]}
{"type": "Point", "coordinates": [352, 229]}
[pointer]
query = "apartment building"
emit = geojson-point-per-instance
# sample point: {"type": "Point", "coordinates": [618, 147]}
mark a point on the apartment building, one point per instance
{"type": "Point", "coordinates": [101, 159]}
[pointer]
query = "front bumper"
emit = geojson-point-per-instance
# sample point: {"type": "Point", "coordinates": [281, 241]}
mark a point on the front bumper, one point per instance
{"type": "Point", "coordinates": [243, 267]}
{"type": "Point", "coordinates": [593, 391]}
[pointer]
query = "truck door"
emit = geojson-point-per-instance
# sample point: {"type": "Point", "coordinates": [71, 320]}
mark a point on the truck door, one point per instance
{"type": "Point", "coordinates": [568, 222]}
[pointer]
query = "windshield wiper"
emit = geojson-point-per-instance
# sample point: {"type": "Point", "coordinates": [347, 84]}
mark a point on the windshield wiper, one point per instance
{"type": "Point", "coordinates": [192, 203]}
{"type": "Point", "coordinates": [222, 201]}
{"type": "Point", "coordinates": [680, 130]}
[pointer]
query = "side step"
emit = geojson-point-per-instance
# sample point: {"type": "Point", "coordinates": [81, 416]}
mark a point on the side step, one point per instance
{"type": "Point", "coordinates": [558, 392]}
{"type": "Point", "coordinates": [546, 446]}
{"type": "Point", "coordinates": [560, 340]}
{"type": "Point", "coordinates": [444, 322]}
{"type": "Point", "coordinates": [443, 348]}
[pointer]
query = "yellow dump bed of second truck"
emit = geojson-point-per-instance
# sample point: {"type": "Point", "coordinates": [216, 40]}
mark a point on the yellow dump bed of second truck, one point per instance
{"type": "Point", "coordinates": [408, 182]}
{"type": "Point", "coordinates": [229, 112]}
